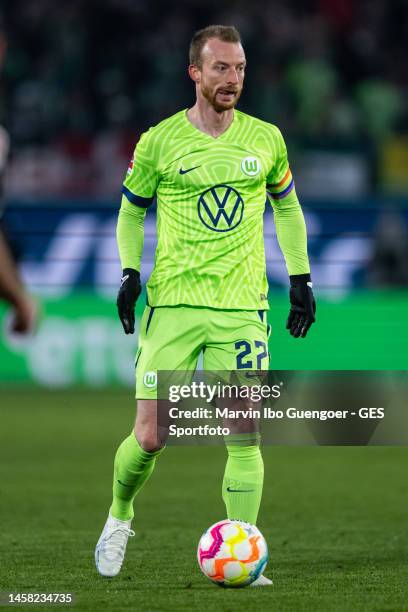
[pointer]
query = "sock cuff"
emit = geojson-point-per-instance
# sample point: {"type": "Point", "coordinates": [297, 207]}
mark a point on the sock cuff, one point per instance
{"type": "Point", "coordinates": [243, 439]}
{"type": "Point", "coordinates": [244, 452]}
{"type": "Point", "coordinates": [146, 455]}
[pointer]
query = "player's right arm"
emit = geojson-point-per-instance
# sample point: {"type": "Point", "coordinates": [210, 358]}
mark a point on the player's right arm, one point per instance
{"type": "Point", "coordinates": [24, 310]}
{"type": "Point", "coordinates": [138, 192]}
{"type": "Point", "coordinates": [12, 291]}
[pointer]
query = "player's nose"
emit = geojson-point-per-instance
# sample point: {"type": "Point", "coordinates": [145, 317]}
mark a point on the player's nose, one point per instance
{"type": "Point", "coordinates": [233, 76]}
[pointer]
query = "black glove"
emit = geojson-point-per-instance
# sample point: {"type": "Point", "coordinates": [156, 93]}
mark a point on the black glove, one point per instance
{"type": "Point", "coordinates": [303, 305]}
{"type": "Point", "coordinates": [128, 293]}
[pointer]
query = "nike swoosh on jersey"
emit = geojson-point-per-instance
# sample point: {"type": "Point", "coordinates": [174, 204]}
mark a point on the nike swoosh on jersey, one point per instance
{"type": "Point", "coordinates": [239, 490]}
{"type": "Point", "coordinates": [181, 171]}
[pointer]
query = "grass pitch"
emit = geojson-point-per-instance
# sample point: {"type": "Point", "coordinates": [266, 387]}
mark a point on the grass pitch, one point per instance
{"type": "Point", "coordinates": [335, 518]}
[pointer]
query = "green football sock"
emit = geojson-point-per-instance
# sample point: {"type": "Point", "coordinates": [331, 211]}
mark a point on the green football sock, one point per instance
{"type": "Point", "coordinates": [243, 482]}
{"type": "Point", "coordinates": [133, 466]}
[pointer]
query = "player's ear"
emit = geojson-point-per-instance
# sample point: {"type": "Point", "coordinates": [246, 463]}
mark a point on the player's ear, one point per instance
{"type": "Point", "coordinates": [194, 73]}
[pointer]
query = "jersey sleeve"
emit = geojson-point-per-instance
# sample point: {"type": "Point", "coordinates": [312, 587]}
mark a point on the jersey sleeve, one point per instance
{"type": "Point", "coordinates": [279, 182]}
{"type": "Point", "coordinates": [142, 177]}
{"type": "Point", "coordinates": [130, 234]}
{"type": "Point", "coordinates": [289, 220]}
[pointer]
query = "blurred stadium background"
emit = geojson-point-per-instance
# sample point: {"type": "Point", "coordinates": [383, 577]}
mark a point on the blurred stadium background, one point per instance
{"type": "Point", "coordinates": [82, 80]}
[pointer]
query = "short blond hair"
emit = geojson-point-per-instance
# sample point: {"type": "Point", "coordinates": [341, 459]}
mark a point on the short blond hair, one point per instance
{"type": "Point", "coordinates": [221, 32]}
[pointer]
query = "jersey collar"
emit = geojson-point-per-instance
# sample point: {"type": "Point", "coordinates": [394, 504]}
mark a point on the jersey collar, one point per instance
{"type": "Point", "coordinates": [204, 134]}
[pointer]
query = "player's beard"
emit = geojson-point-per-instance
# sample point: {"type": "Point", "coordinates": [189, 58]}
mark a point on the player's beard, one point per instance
{"type": "Point", "coordinates": [211, 96]}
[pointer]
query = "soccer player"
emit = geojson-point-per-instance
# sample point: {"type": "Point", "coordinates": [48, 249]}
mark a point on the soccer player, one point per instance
{"type": "Point", "coordinates": [210, 167]}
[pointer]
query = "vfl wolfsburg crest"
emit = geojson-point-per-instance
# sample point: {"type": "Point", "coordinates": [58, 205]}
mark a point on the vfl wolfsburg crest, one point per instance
{"type": "Point", "coordinates": [150, 380]}
{"type": "Point", "coordinates": [251, 166]}
{"type": "Point", "coordinates": [220, 208]}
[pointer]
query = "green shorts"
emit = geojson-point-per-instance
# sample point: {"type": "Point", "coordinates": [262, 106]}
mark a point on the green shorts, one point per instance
{"type": "Point", "coordinates": [172, 338]}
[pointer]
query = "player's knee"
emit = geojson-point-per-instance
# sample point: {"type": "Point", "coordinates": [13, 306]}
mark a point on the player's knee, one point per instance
{"type": "Point", "coordinates": [149, 441]}
{"type": "Point", "coordinates": [248, 404]}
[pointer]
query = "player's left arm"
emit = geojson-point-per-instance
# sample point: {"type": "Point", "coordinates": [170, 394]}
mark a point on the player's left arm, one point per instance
{"type": "Point", "coordinates": [292, 238]}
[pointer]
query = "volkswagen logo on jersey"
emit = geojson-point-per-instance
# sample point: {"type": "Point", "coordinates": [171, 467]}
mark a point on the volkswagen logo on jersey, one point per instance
{"type": "Point", "coordinates": [251, 166]}
{"type": "Point", "coordinates": [220, 208]}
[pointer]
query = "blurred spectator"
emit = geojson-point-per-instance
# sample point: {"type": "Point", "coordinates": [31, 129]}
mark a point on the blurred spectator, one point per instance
{"type": "Point", "coordinates": [389, 262]}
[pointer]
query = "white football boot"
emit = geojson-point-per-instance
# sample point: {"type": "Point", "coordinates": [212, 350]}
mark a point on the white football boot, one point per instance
{"type": "Point", "coordinates": [111, 547]}
{"type": "Point", "coordinates": [261, 581]}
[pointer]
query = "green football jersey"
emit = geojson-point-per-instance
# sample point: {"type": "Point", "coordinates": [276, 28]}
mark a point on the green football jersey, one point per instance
{"type": "Point", "coordinates": [211, 195]}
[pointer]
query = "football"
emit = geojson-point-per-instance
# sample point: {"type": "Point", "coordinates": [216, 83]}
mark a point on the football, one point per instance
{"type": "Point", "coordinates": [232, 553]}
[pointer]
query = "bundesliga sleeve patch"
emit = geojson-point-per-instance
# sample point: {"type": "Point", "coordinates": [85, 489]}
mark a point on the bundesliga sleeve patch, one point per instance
{"type": "Point", "coordinates": [130, 168]}
{"type": "Point", "coordinates": [283, 188]}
